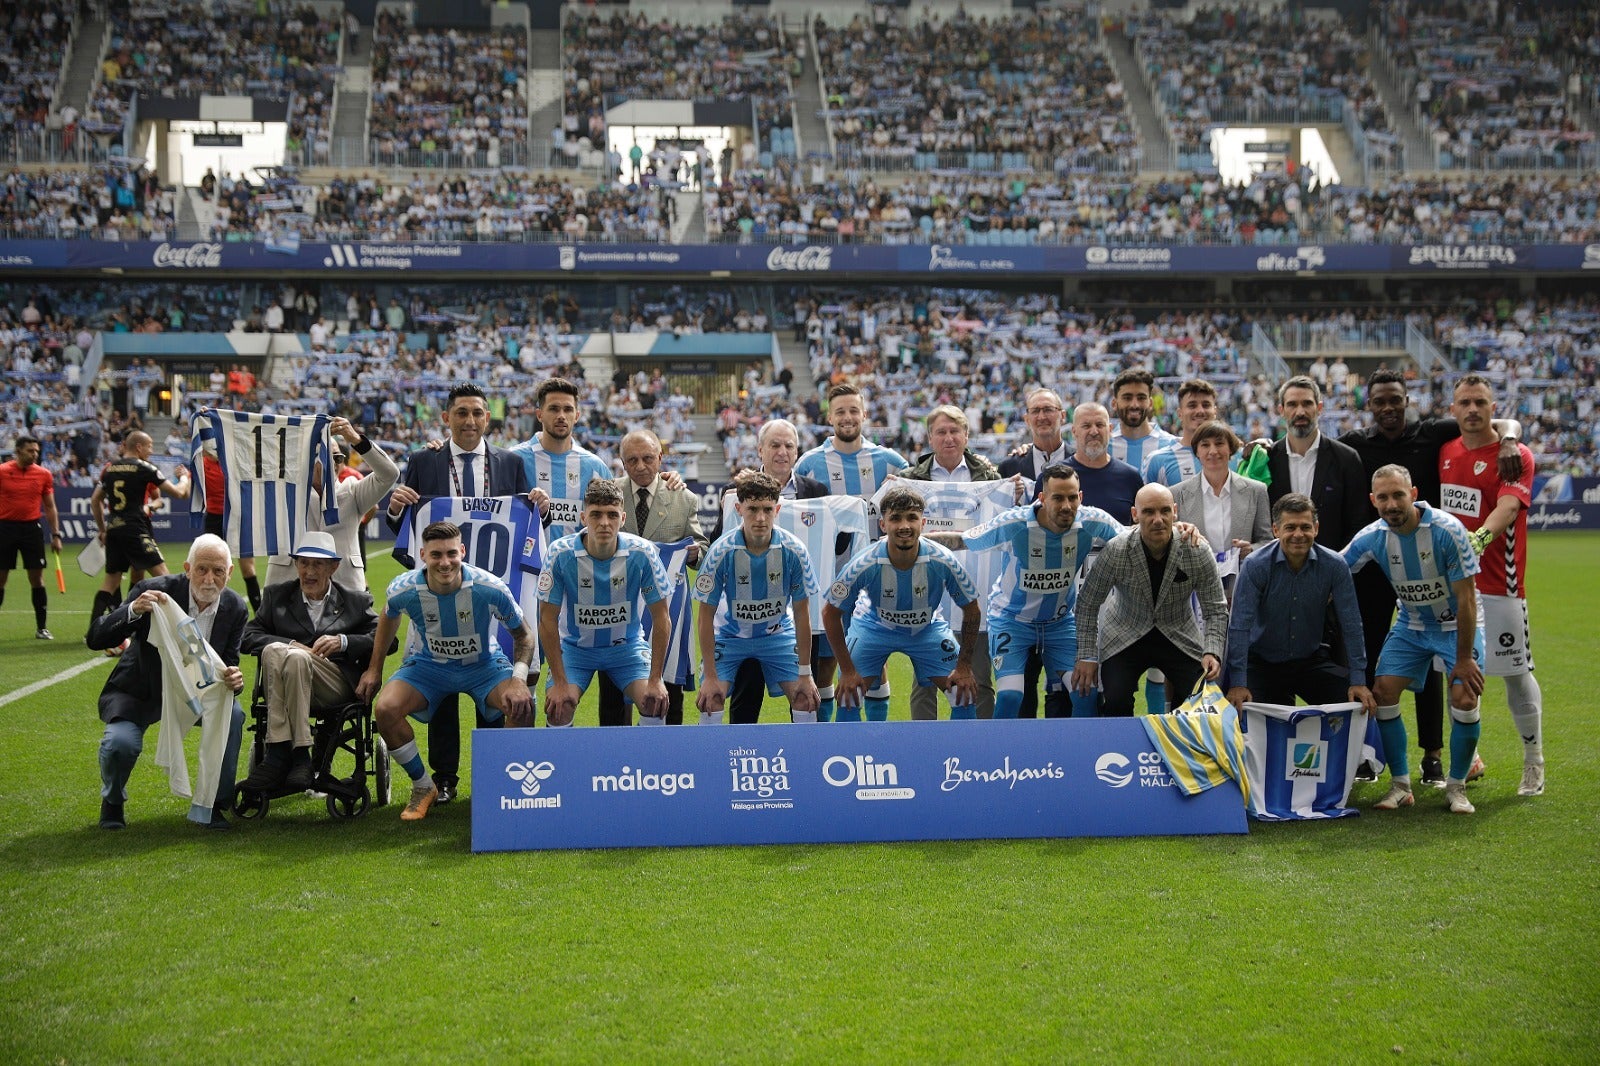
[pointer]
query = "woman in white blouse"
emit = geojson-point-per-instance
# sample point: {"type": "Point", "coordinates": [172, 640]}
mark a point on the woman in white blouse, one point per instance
{"type": "Point", "coordinates": [1231, 511]}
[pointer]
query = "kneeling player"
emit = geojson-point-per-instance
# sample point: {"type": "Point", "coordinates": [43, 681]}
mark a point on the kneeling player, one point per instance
{"type": "Point", "coordinates": [905, 578]}
{"type": "Point", "coordinates": [588, 621]}
{"type": "Point", "coordinates": [1427, 556]}
{"type": "Point", "coordinates": [761, 579]}
{"type": "Point", "coordinates": [455, 607]}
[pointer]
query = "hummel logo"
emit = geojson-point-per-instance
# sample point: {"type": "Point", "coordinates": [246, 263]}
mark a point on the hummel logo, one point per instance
{"type": "Point", "coordinates": [1529, 738]}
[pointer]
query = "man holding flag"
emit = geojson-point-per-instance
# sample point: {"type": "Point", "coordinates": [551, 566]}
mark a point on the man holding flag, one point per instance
{"type": "Point", "coordinates": [27, 493]}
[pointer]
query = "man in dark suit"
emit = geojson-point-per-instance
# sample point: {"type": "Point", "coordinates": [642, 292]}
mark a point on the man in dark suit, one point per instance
{"type": "Point", "coordinates": [314, 638]}
{"type": "Point", "coordinates": [1318, 467]}
{"type": "Point", "coordinates": [668, 517]}
{"type": "Point", "coordinates": [467, 466]}
{"type": "Point", "coordinates": [131, 701]}
{"type": "Point", "coordinates": [778, 444]}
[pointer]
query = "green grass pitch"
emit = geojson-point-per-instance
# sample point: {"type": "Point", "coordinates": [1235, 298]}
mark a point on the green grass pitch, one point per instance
{"type": "Point", "coordinates": [1409, 937]}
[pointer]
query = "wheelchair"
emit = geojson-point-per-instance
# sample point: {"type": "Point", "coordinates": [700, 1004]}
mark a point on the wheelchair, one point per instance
{"type": "Point", "coordinates": [349, 761]}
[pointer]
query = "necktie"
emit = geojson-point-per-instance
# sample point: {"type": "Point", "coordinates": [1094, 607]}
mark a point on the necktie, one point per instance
{"type": "Point", "coordinates": [641, 511]}
{"type": "Point", "coordinates": [469, 478]}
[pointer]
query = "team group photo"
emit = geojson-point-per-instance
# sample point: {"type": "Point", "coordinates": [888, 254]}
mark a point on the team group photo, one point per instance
{"type": "Point", "coordinates": [799, 530]}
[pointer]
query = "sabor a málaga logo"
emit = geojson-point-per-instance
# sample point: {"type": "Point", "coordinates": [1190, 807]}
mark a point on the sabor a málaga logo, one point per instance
{"type": "Point", "coordinates": [759, 782]}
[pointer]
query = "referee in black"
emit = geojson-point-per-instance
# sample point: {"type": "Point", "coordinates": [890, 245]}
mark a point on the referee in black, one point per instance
{"type": "Point", "coordinates": [27, 493]}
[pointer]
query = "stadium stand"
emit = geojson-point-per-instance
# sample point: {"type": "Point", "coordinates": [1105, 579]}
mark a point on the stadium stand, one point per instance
{"type": "Point", "coordinates": [37, 34]}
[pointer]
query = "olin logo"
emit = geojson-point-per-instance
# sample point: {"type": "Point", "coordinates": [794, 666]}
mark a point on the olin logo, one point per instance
{"type": "Point", "coordinates": [872, 780]}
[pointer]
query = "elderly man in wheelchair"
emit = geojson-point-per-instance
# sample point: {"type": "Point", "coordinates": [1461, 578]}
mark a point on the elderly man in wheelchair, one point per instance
{"type": "Point", "coordinates": [314, 638]}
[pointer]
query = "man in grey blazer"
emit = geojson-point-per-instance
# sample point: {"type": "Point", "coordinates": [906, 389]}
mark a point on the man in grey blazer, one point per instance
{"type": "Point", "coordinates": [1150, 623]}
{"type": "Point", "coordinates": [668, 516]}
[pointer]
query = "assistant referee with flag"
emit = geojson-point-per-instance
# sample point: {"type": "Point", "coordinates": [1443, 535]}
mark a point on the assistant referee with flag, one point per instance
{"type": "Point", "coordinates": [27, 493]}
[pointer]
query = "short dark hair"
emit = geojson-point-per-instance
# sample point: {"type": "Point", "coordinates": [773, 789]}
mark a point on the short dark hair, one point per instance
{"type": "Point", "coordinates": [1293, 503]}
{"type": "Point", "coordinates": [551, 385]}
{"type": "Point", "coordinates": [1301, 381]}
{"type": "Point", "coordinates": [1054, 471]}
{"type": "Point", "coordinates": [466, 388]}
{"type": "Point", "coordinates": [1472, 379]}
{"type": "Point", "coordinates": [24, 439]}
{"type": "Point", "coordinates": [601, 493]}
{"type": "Point", "coordinates": [1385, 376]}
{"type": "Point", "coordinates": [1133, 377]}
{"type": "Point", "coordinates": [441, 531]}
{"type": "Point", "coordinates": [900, 500]}
{"type": "Point", "coordinates": [844, 388]}
{"type": "Point", "coordinates": [1218, 431]}
{"type": "Point", "coordinates": [1197, 385]}
{"type": "Point", "coordinates": [756, 485]}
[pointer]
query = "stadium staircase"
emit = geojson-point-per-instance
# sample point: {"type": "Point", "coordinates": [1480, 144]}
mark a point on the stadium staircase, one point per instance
{"type": "Point", "coordinates": [83, 65]}
{"type": "Point", "coordinates": [1418, 143]}
{"type": "Point", "coordinates": [689, 227]}
{"type": "Point", "coordinates": [544, 85]}
{"type": "Point", "coordinates": [188, 218]}
{"type": "Point", "coordinates": [810, 129]}
{"type": "Point", "coordinates": [352, 99]}
{"type": "Point", "coordinates": [1156, 156]}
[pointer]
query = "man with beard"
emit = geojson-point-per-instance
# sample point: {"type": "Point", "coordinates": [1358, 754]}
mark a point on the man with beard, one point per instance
{"type": "Point", "coordinates": [558, 469]}
{"type": "Point", "coordinates": [1137, 437]}
{"type": "Point", "coordinates": [1108, 483]}
{"type": "Point", "coordinates": [1325, 471]}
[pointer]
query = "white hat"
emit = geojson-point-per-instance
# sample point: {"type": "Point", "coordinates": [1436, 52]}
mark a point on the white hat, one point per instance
{"type": "Point", "coordinates": [315, 546]}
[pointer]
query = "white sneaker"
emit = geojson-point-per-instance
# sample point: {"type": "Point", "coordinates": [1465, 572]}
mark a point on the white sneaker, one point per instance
{"type": "Point", "coordinates": [1397, 796]}
{"type": "Point", "coordinates": [1532, 780]}
{"type": "Point", "coordinates": [1478, 767]}
{"type": "Point", "coordinates": [1455, 794]}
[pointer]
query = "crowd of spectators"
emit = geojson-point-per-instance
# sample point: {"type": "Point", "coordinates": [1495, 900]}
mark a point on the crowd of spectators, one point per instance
{"type": "Point", "coordinates": [33, 43]}
{"type": "Point", "coordinates": [1032, 90]}
{"type": "Point", "coordinates": [745, 57]}
{"type": "Point", "coordinates": [1241, 64]}
{"type": "Point", "coordinates": [113, 202]}
{"type": "Point", "coordinates": [448, 97]}
{"type": "Point", "coordinates": [1493, 81]}
{"type": "Point", "coordinates": [228, 48]}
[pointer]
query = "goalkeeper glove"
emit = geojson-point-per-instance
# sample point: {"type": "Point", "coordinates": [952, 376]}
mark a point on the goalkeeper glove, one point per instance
{"type": "Point", "coordinates": [1480, 539]}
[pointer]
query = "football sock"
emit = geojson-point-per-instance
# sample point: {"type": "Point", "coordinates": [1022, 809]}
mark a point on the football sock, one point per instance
{"type": "Point", "coordinates": [1086, 704]}
{"type": "Point", "coordinates": [252, 589]}
{"type": "Point", "coordinates": [961, 712]}
{"type": "Point", "coordinates": [847, 714]}
{"type": "Point", "coordinates": [1155, 696]}
{"type": "Point", "coordinates": [1007, 702]}
{"type": "Point", "coordinates": [40, 602]}
{"type": "Point", "coordinates": [1393, 731]}
{"type": "Point", "coordinates": [1463, 743]}
{"type": "Point", "coordinates": [103, 602]}
{"type": "Point", "coordinates": [1526, 702]}
{"type": "Point", "coordinates": [410, 760]}
{"type": "Point", "coordinates": [711, 717]}
{"type": "Point", "coordinates": [877, 709]}
{"type": "Point", "coordinates": [802, 717]}
{"type": "Point", "coordinates": [825, 704]}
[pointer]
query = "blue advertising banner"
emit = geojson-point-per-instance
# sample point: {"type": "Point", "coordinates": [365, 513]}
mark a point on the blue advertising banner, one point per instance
{"type": "Point", "coordinates": [170, 523]}
{"type": "Point", "coordinates": [1566, 515]}
{"type": "Point", "coordinates": [784, 784]}
{"type": "Point", "coordinates": [983, 254]}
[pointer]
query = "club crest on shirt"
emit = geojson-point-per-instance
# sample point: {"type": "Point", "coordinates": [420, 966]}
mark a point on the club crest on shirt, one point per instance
{"type": "Point", "coordinates": [1479, 467]}
{"type": "Point", "coordinates": [705, 583]}
{"type": "Point", "coordinates": [546, 581]}
{"type": "Point", "coordinates": [808, 518]}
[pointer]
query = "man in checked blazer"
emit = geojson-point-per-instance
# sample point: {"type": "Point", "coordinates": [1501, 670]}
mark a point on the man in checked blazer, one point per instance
{"type": "Point", "coordinates": [669, 517]}
{"type": "Point", "coordinates": [1150, 623]}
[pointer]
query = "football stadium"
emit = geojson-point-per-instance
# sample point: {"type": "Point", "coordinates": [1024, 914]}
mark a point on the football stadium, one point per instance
{"type": "Point", "coordinates": [1106, 467]}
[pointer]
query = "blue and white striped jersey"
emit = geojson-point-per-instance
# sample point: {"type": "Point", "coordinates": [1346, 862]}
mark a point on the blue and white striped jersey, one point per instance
{"type": "Point", "coordinates": [901, 600]}
{"type": "Point", "coordinates": [955, 507]}
{"type": "Point", "coordinates": [1421, 565]}
{"type": "Point", "coordinates": [857, 474]}
{"type": "Point", "coordinates": [753, 593]}
{"type": "Point", "coordinates": [1135, 450]}
{"type": "Point", "coordinates": [565, 476]}
{"type": "Point", "coordinates": [599, 598]}
{"type": "Point", "coordinates": [500, 534]}
{"type": "Point", "coordinates": [1171, 465]}
{"type": "Point", "coordinates": [1038, 581]}
{"type": "Point", "coordinates": [456, 627]}
{"type": "Point", "coordinates": [268, 462]}
{"type": "Point", "coordinates": [679, 667]}
{"type": "Point", "coordinates": [830, 528]}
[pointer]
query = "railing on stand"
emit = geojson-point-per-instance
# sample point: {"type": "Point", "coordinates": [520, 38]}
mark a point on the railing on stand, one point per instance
{"type": "Point", "coordinates": [1266, 357]}
{"type": "Point", "coordinates": [1427, 355]}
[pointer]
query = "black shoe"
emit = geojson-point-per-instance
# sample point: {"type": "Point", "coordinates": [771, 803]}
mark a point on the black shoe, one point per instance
{"type": "Point", "coordinates": [1367, 771]}
{"type": "Point", "coordinates": [1432, 772]}
{"type": "Point", "coordinates": [299, 778]}
{"type": "Point", "coordinates": [269, 774]}
{"type": "Point", "coordinates": [111, 816]}
{"type": "Point", "coordinates": [447, 788]}
{"type": "Point", "coordinates": [219, 822]}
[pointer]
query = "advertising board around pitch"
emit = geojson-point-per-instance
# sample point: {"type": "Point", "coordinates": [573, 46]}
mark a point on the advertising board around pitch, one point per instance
{"type": "Point", "coordinates": [784, 784]}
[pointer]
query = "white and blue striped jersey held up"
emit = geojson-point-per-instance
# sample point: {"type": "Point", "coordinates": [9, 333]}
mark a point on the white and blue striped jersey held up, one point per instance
{"type": "Point", "coordinates": [1421, 565]}
{"type": "Point", "coordinates": [753, 593]}
{"type": "Point", "coordinates": [859, 474]}
{"type": "Point", "coordinates": [267, 463]}
{"type": "Point", "coordinates": [565, 476]}
{"type": "Point", "coordinates": [955, 507]}
{"type": "Point", "coordinates": [896, 600]}
{"type": "Point", "coordinates": [1038, 581]}
{"type": "Point", "coordinates": [600, 599]}
{"type": "Point", "coordinates": [679, 667]}
{"type": "Point", "coordinates": [453, 627]}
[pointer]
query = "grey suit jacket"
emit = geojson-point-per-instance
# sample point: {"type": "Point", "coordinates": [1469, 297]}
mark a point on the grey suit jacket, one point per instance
{"type": "Point", "coordinates": [1191, 569]}
{"type": "Point", "coordinates": [1252, 515]}
{"type": "Point", "coordinates": [673, 515]}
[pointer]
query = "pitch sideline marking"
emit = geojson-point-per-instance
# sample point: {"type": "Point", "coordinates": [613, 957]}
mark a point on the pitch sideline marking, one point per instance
{"type": "Point", "coordinates": [65, 675]}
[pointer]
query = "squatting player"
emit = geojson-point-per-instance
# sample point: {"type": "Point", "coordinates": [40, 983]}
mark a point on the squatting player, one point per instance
{"type": "Point", "coordinates": [455, 608]}
{"type": "Point", "coordinates": [1496, 513]}
{"type": "Point", "coordinates": [905, 578]}
{"type": "Point", "coordinates": [1046, 543]}
{"type": "Point", "coordinates": [1428, 557]}
{"type": "Point", "coordinates": [588, 616]}
{"type": "Point", "coordinates": [761, 578]}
